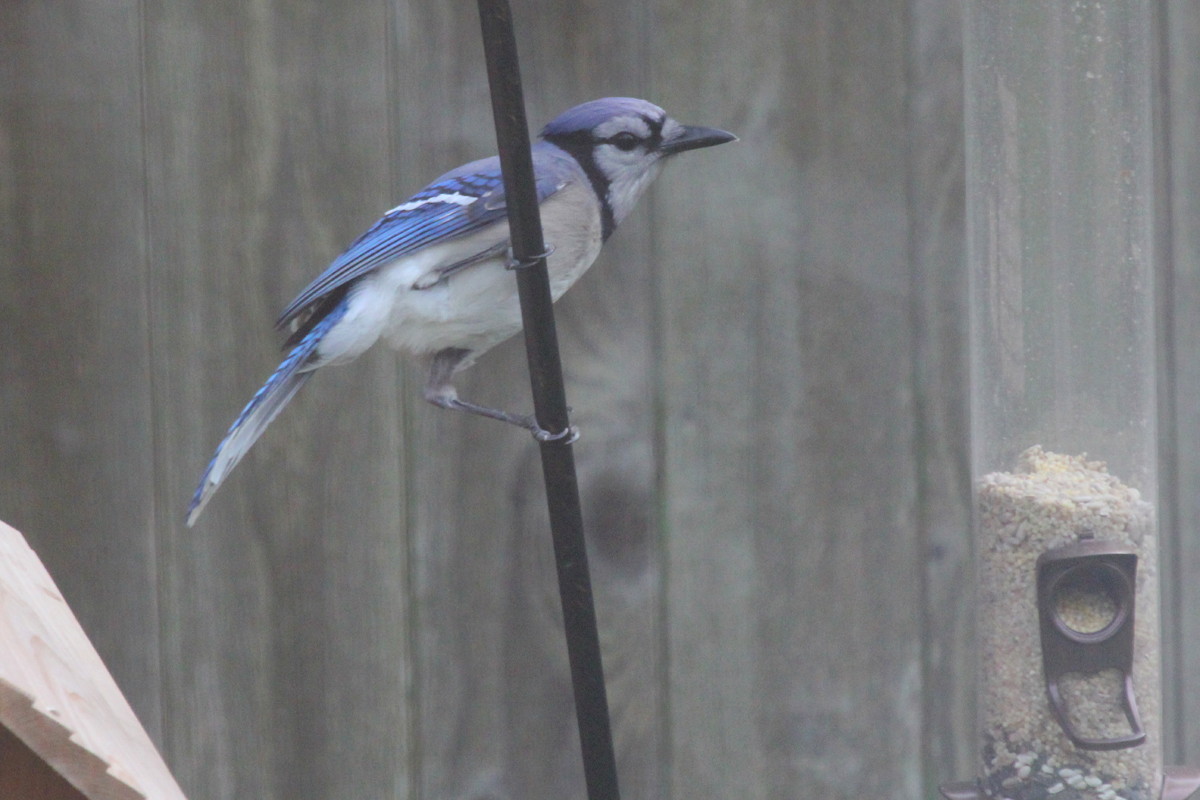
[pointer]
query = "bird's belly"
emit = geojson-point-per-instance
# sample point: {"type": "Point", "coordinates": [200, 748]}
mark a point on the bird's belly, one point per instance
{"type": "Point", "coordinates": [479, 307]}
{"type": "Point", "coordinates": [475, 309]}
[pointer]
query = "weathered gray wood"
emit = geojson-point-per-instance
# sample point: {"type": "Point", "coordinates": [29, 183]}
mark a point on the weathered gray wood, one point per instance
{"type": "Point", "coordinates": [285, 629]}
{"type": "Point", "coordinates": [793, 603]}
{"type": "Point", "coordinates": [1181, 556]}
{"type": "Point", "coordinates": [606, 327]}
{"type": "Point", "coordinates": [936, 168]}
{"type": "Point", "coordinates": [496, 714]}
{"type": "Point", "coordinates": [767, 364]}
{"type": "Point", "coordinates": [77, 469]}
{"type": "Point", "coordinates": [1166, 351]}
{"type": "Point", "coordinates": [457, 520]}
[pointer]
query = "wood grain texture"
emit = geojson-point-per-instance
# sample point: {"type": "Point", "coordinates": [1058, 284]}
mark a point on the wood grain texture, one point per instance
{"type": "Point", "coordinates": [1181, 590]}
{"type": "Point", "coordinates": [74, 369]}
{"type": "Point", "coordinates": [56, 694]}
{"type": "Point", "coordinates": [496, 713]}
{"type": "Point", "coordinates": [267, 150]}
{"type": "Point", "coordinates": [793, 614]}
{"type": "Point", "coordinates": [606, 328]}
{"type": "Point", "coordinates": [766, 363]}
{"type": "Point", "coordinates": [461, 547]}
{"type": "Point", "coordinates": [937, 255]}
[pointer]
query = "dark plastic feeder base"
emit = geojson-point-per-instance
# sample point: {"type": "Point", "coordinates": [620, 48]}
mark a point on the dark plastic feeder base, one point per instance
{"type": "Point", "coordinates": [1179, 783]}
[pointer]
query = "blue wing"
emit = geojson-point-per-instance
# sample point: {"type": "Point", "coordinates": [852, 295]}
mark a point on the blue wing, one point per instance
{"type": "Point", "coordinates": [456, 204]}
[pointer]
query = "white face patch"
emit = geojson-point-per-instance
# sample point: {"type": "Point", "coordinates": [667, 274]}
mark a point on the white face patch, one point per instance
{"type": "Point", "coordinates": [629, 175]}
{"type": "Point", "coordinates": [629, 172]}
{"type": "Point", "coordinates": [631, 124]}
{"type": "Point", "coordinates": [671, 130]}
{"type": "Point", "coordinates": [451, 197]}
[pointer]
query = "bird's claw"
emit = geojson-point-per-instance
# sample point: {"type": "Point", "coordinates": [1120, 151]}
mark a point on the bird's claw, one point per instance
{"type": "Point", "coordinates": [515, 263]}
{"type": "Point", "coordinates": [569, 435]}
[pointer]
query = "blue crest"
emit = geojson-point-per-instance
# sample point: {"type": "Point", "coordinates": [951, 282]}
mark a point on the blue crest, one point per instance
{"type": "Point", "coordinates": [588, 115]}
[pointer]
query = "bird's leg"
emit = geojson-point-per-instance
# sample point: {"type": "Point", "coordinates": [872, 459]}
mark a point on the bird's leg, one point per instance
{"type": "Point", "coordinates": [440, 392]}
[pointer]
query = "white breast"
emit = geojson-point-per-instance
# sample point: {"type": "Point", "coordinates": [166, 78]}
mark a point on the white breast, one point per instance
{"type": "Point", "coordinates": [478, 308]}
{"type": "Point", "coordinates": [474, 309]}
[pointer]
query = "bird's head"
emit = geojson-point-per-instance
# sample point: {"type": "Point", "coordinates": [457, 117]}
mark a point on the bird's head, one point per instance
{"type": "Point", "coordinates": [621, 143]}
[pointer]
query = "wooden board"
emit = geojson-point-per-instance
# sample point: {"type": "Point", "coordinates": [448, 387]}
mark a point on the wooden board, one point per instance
{"type": "Point", "coordinates": [56, 694]}
{"type": "Point", "coordinates": [26, 775]}
{"type": "Point", "coordinates": [937, 253]}
{"type": "Point", "coordinates": [78, 426]}
{"type": "Point", "coordinates": [284, 627]}
{"type": "Point", "coordinates": [767, 363]}
{"type": "Point", "coordinates": [1181, 431]}
{"type": "Point", "coordinates": [793, 612]}
{"type": "Point", "coordinates": [491, 672]}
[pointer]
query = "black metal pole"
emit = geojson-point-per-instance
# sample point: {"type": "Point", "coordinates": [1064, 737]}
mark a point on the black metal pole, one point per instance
{"type": "Point", "coordinates": [549, 401]}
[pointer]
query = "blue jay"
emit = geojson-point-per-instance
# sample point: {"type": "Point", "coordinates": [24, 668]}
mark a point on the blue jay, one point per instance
{"type": "Point", "coordinates": [431, 276]}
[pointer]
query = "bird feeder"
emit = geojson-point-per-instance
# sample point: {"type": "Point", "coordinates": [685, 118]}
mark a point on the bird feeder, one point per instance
{"type": "Point", "coordinates": [1064, 460]}
{"type": "Point", "coordinates": [66, 731]}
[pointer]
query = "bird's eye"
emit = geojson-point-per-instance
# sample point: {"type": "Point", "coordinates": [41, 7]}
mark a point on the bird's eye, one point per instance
{"type": "Point", "coordinates": [625, 141]}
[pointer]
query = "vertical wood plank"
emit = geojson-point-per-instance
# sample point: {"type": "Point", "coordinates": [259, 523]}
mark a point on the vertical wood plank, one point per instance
{"type": "Point", "coordinates": [496, 713]}
{"type": "Point", "coordinates": [74, 370]}
{"type": "Point", "coordinates": [936, 178]}
{"type": "Point", "coordinates": [1181, 590]}
{"type": "Point", "coordinates": [795, 573]}
{"type": "Point", "coordinates": [775, 427]}
{"type": "Point", "coordinates": [461, 544]}
{"type": "Point", "coordinates": [1166, 351]}
{"type": "Point", "coordinates": [606, 327]}
{"type": "Point", "coordinates": [285, 635]}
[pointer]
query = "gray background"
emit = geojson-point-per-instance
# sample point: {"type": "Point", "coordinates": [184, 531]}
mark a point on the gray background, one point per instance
{"type": "Point", "coordinates": [767, 362]}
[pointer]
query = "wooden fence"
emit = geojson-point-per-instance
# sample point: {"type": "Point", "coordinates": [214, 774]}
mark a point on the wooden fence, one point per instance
{"type": "Point", "coordinates": [767, 363]}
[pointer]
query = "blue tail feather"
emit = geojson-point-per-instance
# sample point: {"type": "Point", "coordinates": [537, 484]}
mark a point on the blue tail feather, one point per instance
{"type": "Point", "coordinates": [261, 410]}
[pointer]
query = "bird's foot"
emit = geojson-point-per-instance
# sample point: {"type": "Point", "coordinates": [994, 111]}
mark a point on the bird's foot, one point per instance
{"type": "Point", "coordinates": [568, 435]}
{"type": "Point", "coordinates": [526, 263]}
{"type": "Point", "coordinates": [446, 398]}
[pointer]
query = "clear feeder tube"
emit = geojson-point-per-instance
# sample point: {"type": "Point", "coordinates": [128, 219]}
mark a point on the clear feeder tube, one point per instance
{"type": "Point", "coordinates": [1059, 200]}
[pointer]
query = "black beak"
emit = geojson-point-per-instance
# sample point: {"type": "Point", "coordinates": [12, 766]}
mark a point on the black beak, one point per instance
{"type": "Point", "coordinates": [695, 137]}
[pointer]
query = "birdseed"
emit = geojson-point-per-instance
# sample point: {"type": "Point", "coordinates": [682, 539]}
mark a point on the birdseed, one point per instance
{"type": "Point", "coordinates": [1052, 500]}
{"type": "Point", "coordinates": [1086, 608]}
